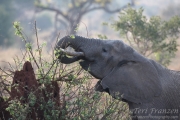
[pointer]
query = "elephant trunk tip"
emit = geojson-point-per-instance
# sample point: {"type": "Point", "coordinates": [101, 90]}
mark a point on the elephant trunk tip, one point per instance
{"type": "Point", "coordinates": [72, 53]}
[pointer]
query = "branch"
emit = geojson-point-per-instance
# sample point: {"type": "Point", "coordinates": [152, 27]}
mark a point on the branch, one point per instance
{"type": "Point", "coordinates": [63, 22]}
{"type": "Point", "coordinates": [10, 75]}
{"type": "Point", "coordinates": [76, 8]}
{"type": "Point", "coordinates": [54, 10]}
{"type": "Point", "coordinates": [106, 9]}
{"type": "Point", "coordinates": [73, 2]}
{"type": "Point", "coordinates": [59, 20]}
{"type": "Point", "coordinates": [86, 27]}
{"type": "Point", "coordinates": [118, 10]}
{"type": "Point", "coordinates": [128, 40]}
{"type": "Point", "coordinates": [154, 51]}
{"type": "Point", "coordinates": [37, 42]}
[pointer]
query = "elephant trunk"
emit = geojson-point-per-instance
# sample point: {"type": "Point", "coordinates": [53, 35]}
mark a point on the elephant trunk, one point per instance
{"type": "Point", "coordinates": [72, 53]}
{"type": "Point", "coordinates": [73, 41]}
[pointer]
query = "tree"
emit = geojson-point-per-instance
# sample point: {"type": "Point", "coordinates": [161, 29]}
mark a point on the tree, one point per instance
{"type": "Point", "coordinates": [154, 38]}
{"type": "Point", "coordinates": [70, 12]}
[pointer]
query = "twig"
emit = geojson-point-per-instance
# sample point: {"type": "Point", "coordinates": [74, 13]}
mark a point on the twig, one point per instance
{"type": "Point", "coordinates": [8, 64]}
{"type": "Point", "coordinates": [56, 41]}
{"type": "Point", "coordinates": [5, 72]}
{"type": "Point", "coordinates": [54, 10]}
{"type": "Point", "coordinates": [15, 63]}
{"type": "Point", "coordinates": [86, 28]}
{"type": "Point", "coordinates": [53, 55]}
{"type": "Point", "coordinates": [24, 55]}
{"type": "Point", "coordinates": [128, 40]}
{"type": "Point", "coordinates": [31, 53]}
{"type": "Point", "coordinates": [37, 41]}
{"type": "Point", "coordinates": [50, 68]}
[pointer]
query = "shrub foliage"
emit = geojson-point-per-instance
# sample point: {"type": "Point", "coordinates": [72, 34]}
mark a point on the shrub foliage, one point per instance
{"type": "Point", "coordinates": [152, 37]}
{"type": "Point", "coordinates": [39, 87]}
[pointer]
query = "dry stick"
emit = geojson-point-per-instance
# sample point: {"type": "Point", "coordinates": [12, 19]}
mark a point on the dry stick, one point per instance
{"type": "Point", "coordinates": [55, 44]}
{"type": "Point", "coordinates": [63, 69]}
{"type": "Point", "coordinates": [5, 72]}
{"type": "Point", "coordinates": [79, 72]}
{"type": "Point", "coordinates": [106, 115]}
{"type": "Point", "coordinates": [37, 41]}
{"type": "Point", "coordinates": [72, 97]}
{"type": "Point", "coordinates": [53, 56]}
{"type": "Point", "coordinates": [11, 71]}
{"type": "Point", "coordinates": [30, 51]}
{"type": "Point", "coordinates": [18, 61]}
{"type": "Point", "coordinates": [57, 39]}
{"type": "Point", "coordinates": [9, 65]}
{"type": "Point", "coordinates": [15, 63]}
{"type": "Point", "coordinates": [153, 51]}
{"type": "Point", "coordinates": [55, 71]}
{"type": "Point", "coordinates": [5, 89]}
{"type": "Point", "coordinates": [128, 40]}
{"type": "Point", "coordinates": [50, 68]}
{"type": "Point", "coordinates": [59, 79]}
{"type": "Point", "coordinates": [24, 55]}
{"type": "Point", "coordinates": [86, 28]}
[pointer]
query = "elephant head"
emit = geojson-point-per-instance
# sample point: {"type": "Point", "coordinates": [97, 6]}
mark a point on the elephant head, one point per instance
{"type": "Point", "coordinates": [122, 71]}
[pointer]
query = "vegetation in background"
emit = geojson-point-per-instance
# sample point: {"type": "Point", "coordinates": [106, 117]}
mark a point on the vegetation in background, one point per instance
{"type": "Point", "coordinates": [69, 13]}
{"type": "Point", "coordinates": [152, 37]}
{"type": "Point", "coordinates": [77, 99]}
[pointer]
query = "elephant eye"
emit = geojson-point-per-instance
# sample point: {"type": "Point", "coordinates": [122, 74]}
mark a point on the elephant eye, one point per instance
{"type": "Point", "coordinates": [104, 50]}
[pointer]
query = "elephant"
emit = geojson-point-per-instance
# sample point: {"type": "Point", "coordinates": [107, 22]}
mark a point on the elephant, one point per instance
{"type": "Point", "coordinates": [150, 89]}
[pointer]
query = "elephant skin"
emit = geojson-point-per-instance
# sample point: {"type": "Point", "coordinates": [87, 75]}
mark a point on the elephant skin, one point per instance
{"type": "Point", "coordinates": [151, 90]}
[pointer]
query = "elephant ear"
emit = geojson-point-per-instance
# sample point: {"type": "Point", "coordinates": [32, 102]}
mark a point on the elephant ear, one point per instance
{"type": "Point", "coordinates": [137, 82]}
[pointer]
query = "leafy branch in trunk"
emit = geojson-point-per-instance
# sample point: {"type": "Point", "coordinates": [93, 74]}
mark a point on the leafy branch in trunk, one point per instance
{"type": "Point", "coordinates": [43, 88]}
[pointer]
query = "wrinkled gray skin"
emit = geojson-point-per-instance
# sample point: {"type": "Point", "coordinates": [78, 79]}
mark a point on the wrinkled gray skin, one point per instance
{"type": "Point", "coordinates": [150, 89]}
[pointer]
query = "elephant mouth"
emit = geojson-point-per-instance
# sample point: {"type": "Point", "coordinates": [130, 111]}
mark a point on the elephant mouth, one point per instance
{"type": "Point", "coordinates": [71, 52]}
{"type": "Point", "coordinates": [78, 53]}
{"type": "Point", "coordinates": [85, 64]}
{"type": "Point", "coordinates": [69, 55]}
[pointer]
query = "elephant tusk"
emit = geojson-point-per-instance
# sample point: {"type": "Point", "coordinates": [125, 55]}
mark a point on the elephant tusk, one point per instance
{"type": "Point", "coordinates": [72, 53]}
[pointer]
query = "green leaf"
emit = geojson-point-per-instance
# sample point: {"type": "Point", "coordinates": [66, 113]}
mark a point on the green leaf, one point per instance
{"type": "Point", "coordinates": [72, 36]}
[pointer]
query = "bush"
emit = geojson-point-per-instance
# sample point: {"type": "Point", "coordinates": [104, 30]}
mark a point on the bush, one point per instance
{"type": "Point", "coordinates": [53, 91]}
{"type": "Point", "coordinates": [152, 37]}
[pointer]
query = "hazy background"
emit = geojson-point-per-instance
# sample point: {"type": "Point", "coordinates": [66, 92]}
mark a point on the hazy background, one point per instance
{"type": "Point", "coordinates": [50, 22]}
